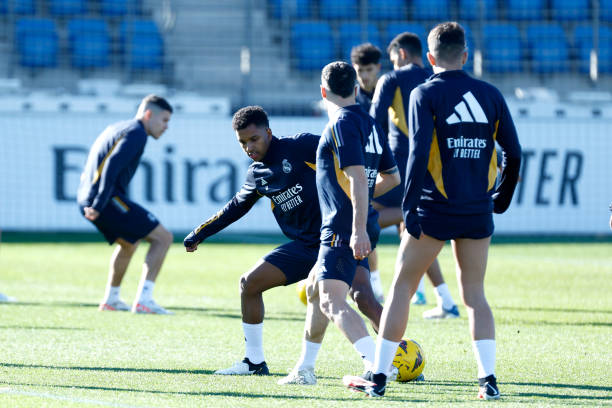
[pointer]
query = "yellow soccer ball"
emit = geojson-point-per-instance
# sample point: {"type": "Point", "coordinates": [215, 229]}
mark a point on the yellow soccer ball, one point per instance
{"type": "Point", "coordinates": [409, 360]}
{"type": "Point", "coordinates": [300, 288]}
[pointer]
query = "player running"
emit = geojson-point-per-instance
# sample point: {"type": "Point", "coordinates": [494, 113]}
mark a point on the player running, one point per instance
{"type": "Point", "coordinates": [455, 121]}
{"type": "Point", "coordinates": [102, 198]}
{"type": "Point", "coordinates": [390, 110]}
{"type": "Point", "coordinates": [283, 170]}
{"type": "Point", "coordinates": [354, 163]}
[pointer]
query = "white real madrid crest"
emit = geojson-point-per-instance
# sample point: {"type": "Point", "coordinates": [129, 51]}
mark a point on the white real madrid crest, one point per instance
{"type": "Point", "coordinates": [286, 166]}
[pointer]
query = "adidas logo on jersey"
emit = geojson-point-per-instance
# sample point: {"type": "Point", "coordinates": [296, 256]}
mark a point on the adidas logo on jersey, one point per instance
{"type": "Point", "coordinates": [470, 113]}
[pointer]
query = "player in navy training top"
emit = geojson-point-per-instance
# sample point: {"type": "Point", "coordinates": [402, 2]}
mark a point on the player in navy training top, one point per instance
{"type": "Point", "coordinates": [390, 110]}
{"type": "Point", "coordinates": [102, 198]}
{"type": "Point", "coordinates": [283, 170]}
{"type": "Point", "coordinates": [352, 153]}
{"type": "Point", "coordinates": [454, 122]}
{"type": "Point", "coordinates": [366, 61]}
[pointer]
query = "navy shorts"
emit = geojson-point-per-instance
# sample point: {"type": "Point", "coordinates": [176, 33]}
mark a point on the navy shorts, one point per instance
{"type": "Point", "coordinates": [295, 259]}
{"type": "Point", "coordinates": [444, 227]}
{"type": "Point", "coordinates": [122, 218]}
{"type": "Point", "coordinates": [338, 263]}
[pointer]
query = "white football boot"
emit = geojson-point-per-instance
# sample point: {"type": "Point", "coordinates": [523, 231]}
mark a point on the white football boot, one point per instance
{"type": "Point", "coordinates": [245, 367]}
{"type": "Point", "coordinates": [114, 306]}
{"type": "Point", "coordinates": [149, 307]}
{"type": "Point", "coordinates": [7, 299]}
{"type": "Point", "coordinates": [305, 376]}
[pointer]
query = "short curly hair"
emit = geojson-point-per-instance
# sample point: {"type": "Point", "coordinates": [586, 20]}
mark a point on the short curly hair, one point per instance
{"type": "Point", "coordinates": [250, 115]}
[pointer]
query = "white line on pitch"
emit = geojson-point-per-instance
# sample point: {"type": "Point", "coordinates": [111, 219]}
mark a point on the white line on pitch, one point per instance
{"type": "Point", "coordinates": [63, 398]}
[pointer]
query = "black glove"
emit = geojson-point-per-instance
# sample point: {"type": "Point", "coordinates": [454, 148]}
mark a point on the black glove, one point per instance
{"type": "Point", "coordinates": [191, 240]}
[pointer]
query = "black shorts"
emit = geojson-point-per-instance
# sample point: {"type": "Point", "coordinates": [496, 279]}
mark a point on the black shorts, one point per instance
{"type": "Point", "coordinates": [295, 259]}
{"type": "Point", "coordinates": [122, 218]}
{"type": "Point", "coordinates": [444, 227]}
{"type": "Point", "coordinates": [338, 263]}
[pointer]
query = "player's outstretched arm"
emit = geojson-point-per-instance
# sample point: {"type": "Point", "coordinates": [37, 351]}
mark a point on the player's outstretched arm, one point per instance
{"type": "Point", "coordinates": [386, 180]}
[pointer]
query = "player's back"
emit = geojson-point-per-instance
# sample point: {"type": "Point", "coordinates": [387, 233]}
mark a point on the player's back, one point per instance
{"type": "Point", "coordinates": [469, 115]}
{"type": "Point", "coordinates": [390, 104]}
{"type": "Point", "coordinates": [127, 138]}
{"type": "Point", "coordinates": [350, 138]}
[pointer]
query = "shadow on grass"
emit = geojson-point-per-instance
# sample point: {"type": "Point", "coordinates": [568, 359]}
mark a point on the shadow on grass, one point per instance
{"type": "Point", "coordinates": [17, 327]}
{"type": "Point", "coordinates": [115, 369]}
{"type": "Point", "coordinates": [201, 393]}
{"type": "Point", "coordinates": [526, 322]}
{"type": "Point", "coordinates": [551, 309]}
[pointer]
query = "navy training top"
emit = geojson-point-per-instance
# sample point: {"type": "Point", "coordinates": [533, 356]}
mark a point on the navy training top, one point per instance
{"type": "Point", "coordinates": [286, 175]}
{"type": "Point", "coordinates": [113, 159]}
{"type": "Point", "coordinates": [364, 98]}
{"type": "Point", "coordinates": [350, 138]}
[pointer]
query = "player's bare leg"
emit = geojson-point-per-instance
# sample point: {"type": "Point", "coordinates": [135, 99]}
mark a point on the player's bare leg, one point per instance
{"type": "Point", "coordinates": [446, 307]}
{"type": "Point", "coordinates": [119, 262]}
{"type": "Point", "coordinates": [362, 294]}
{"type": "Point", "coordinates": [160, 240]}
{"type": "Point", "coordinates": [471, 258]}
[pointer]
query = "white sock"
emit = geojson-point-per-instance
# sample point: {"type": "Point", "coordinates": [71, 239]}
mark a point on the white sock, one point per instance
{"type": "Point", "coordinates": [253, 339]}
{"type": "Point", "coordinates": [374, 275]}
{"type": "Point", "coordinates": [145, 290]}
{"type": "Point", "coordinates": [112, 294]}
{"type": "Point", "coordinates": [309, 355]}
{"type": "Point", "coordinates": [421, 287]}
{"type": "Point", "coordinates": [484, 351]}
{"type": "Point", "coordinates": [385, 352]}
{"type": "Point", "coordinates": [444, 297]}
{"type": "Point", "coordinates": [366, 347]}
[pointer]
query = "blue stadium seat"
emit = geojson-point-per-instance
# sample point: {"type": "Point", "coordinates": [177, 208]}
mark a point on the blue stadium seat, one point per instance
{"type": "Point", "coordinates": [3, 7]}
{"type": "Point", "coordinates": [525, 9]}
{"type": "Point", "coordinates": [570, 10]}
{"type": "Point", "coordinates": [295, 8]}
{"type": "Point", "coordinates": [89, 41]}
{"type": "Point", "coordinates": [605, 10]}
{"type": "Point", "coordinates": [547, 44]}
{"type": "Point", "coordinates": [67, 7]}
{"type": "Point", "coordinates": [37, 43]}
{"type": "Point", "coordinates": [18, 6]}
{"type": "Point", "coordinates": [387, 9]}
{"type": "Point", "coordinates": [117, 8]}
{"type": "Point", "coordinates": [501, 48]}
{"type": "Point", "coordinates": [430, 10]}
{"type": "Point", "coordinates": [339, 9]}
{"type": "Point", "coordinates": [350, 35]}
{"type": "Point", "coordinates": [313, 45]}
{"type": "Point", "coordinates": [583, 43]}
{"type": "Point", "coordinates": [470, 9]}
{"type": "Point", "coordinates": [394, 29]}
{"type": "Point", "coordinates": [142, 44]}
{"type": "Point", "coordinates": [469, 39]}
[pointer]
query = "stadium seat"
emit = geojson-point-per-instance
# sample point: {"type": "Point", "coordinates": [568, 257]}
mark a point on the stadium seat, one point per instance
{"type": "Point", "coordinates": [469, 39]}
{"type": "Point", "coordinates": [67, 7]}
{"type": "Point", "coordinates": [583, 44]}
{"type": "Point", "coordinates": [37, 42]}
{"type": "Point", "coordinates": [117, 8]}
{"type": "Point", "coordinates": [547, 45]}
{"type": "Point", "coordinates": [3, 7]}
{"type": "Point", "coordinates": [350, 35]}
{"type": "Point", "coordinates": [501, 48]}
{"type": "Point", "coordinates": [89, 41]}
{"type": "Point", "coordinates": [18, 7]}
{"type": "Point", "coordinates": [313, 45]}
{"type": "Point", "coordinates": [605, 10]}
{"type": "Point", "coordinates": [570, 10]}
{"type": "Point", "coordinates": [295, 8]}
{"type": "Point", "coordinates": [142, 44]}
{"type": "Point", "coordinates": [470, 9]}
{"type": "Point", "coordinates": [386, 9]}
{"type": "Point", "coordinates": [339, 9]}
{"type": "Point", "coordinates": [430, 10]}
{"type": "Point", "coordinates": [394, 29]}
{"type": "Point", "coordinates": [525, 9]}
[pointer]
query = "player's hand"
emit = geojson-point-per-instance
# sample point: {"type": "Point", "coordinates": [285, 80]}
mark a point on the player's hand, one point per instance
{"type": "Point", "coordinates": [191, 242]}
{"type": "Point", "coordinates": [360, 244]}
{"type": "Point", "coordinates": [91, 214]}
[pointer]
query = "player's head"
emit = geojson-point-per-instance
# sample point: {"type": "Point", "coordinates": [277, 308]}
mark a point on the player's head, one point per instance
{"type": "Point", "coordinates": [404, 49]}
{"type": "Point", "coordinates": [338, 82]}
{"type": "Point", "coordinates": [366, 61]}
{"type": "Point", "coordinates": [446, 43]}
{"type": "Point", "coordinates": [252, 129]}
{"type": "Point", "coordinates": [154, 112]}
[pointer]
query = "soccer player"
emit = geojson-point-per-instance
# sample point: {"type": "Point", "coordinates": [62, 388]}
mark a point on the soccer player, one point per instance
{"type": "Point", "coordinates": [366, 61]}
{"type": "Point", "coordinates": [283, 170]}
{"type": "Point", "coordinates": [353, 164]}
{"type": "Point", "coordinates": [454, 122]}
{"type": "Point", "coordinates": [102, 198]}
{"type": "Point", "coordinates": [390, 110]}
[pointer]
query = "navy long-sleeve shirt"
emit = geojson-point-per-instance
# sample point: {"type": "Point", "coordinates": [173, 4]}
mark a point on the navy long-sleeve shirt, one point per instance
{"type": "Point", "coordinates": [113, 159]}
{"type": "Point", "coordinates": [286, 175]}
{"type": "Point", "coordinates": [454, 122]}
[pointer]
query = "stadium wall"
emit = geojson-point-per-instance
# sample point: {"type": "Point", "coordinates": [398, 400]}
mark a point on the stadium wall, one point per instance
{"type": "Point", "coordinates": [197, 166]}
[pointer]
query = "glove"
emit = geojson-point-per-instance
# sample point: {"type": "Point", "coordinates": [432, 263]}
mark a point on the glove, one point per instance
{"type": "Point", "coordinates": [191, 240]}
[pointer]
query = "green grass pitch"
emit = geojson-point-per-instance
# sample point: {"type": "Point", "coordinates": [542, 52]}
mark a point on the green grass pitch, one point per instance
{"type": "Point", "coordinates": [551, 303]}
